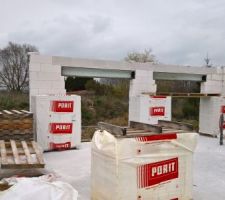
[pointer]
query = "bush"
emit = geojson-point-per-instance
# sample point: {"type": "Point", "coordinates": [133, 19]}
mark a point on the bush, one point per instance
{"type": "Point", "coordinates": [108, 102]}
{"type": "Point", "coordinates": [74, 84]}
{"type": "Point", "coordinates": [191, 109]}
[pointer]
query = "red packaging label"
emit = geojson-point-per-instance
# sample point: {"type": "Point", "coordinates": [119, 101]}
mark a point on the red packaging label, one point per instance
{"type": "Point", "coordinates": [62, 106]}
{"type": "Point", "coordinates": [61, 128]}
{"type": "Point", "coordinates": [157, 111]}
{"type": "Point", "coordinates": [60, 146]}
{"type": "Point", "coordinates": [223, 109]}
{"type": "Point", "coordinates": [148, 138]}
{"type": "Point", "coordinates": [223, 125]}
{"type": "Point", "coordinates": [158, 172]}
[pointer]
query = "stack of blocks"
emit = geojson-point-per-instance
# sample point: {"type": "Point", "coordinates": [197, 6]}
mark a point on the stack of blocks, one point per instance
{"type": "Point", "coordinates": [57, 121]}
{"type": "Point", "coordinates": [143, 82]}
{"type": "Point", "coordinates": [215, 82]}
{"type": "Point", "coordinates": [210, 108]}
{"type": "Point", "coordinates": [149, 109]}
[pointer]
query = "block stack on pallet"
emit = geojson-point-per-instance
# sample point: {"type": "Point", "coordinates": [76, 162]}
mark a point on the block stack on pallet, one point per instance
{"type": "Point", "coordinates": [17, 148]}
{"type": "Point", "coordinates": [149, 109]}
{"type": "Point", "coordinates": [57, 121]}
{"type": "Point", "coordinates": [16, 125]}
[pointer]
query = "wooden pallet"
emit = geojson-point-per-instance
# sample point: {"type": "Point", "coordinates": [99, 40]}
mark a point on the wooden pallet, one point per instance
{"type": "Point", "coordinates": [183, 95]}
{"type": "Point", "coordinates": [20, 155]}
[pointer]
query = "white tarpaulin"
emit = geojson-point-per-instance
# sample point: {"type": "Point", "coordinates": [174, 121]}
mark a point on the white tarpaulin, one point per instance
{"type": "Point", "coordinates": [154, 167]}
{"type": "Point", "coordinates": [38, 189]}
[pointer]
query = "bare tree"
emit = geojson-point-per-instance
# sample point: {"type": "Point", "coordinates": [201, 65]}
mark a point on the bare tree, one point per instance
{"type": "Point", "coordinates": [142, 57]}
{"type": "Point", "coordinates": [14, 60]}
{"type": "Point", "coordinates": [207, 61]}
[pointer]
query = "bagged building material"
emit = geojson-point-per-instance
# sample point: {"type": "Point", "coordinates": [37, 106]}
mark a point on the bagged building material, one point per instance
{"type": "Point", "coordinates": [153, 167]}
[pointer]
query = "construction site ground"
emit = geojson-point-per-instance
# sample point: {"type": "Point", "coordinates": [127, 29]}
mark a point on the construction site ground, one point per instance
{"type": "Point", "coordinates": [73, 166]}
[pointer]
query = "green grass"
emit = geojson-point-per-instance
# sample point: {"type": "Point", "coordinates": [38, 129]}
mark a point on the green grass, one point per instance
{"type": "Point", "coordinates": [9, 101]}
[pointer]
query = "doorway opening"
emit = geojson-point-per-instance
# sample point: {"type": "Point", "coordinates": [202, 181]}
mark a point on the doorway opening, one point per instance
{"type": "Point", "coordinates": [102, 99]}
{"type": "Point", "coordinates": [183, 109]}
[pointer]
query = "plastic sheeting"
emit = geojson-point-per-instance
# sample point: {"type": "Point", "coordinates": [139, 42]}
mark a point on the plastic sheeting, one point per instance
{"type": "Point", "coordinates": [42, 188]}
{"type": "Point", "coordinates": [156, 167]}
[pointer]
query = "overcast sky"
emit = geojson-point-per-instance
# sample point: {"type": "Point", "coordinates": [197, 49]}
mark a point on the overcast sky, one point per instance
{"type": "Point", "coordinates": [178, 31]}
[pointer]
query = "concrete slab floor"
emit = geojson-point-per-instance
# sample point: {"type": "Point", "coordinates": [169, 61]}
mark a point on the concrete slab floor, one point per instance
{"type": "Point", "coordinates": [73, 166]}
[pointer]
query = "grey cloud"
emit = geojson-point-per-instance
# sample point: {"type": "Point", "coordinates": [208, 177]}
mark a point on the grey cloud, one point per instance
{"type": "Point", "coordinates": [179, 32]}
{"type": "Point", "coordinates": [66, 36]}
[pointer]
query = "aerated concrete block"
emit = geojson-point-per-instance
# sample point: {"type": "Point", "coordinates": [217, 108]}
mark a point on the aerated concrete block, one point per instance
{"type": "Point", "coordinates": [209, 115]}
{"type": "Point", "coordinates": [58, 85]}
{"type": "Point", "coordinates": [49, 76]}
{"type": "Point", "coordinates": [218, 77]}
{"type": "Point", "coordinates": [35, 67]}
{"type": "Point", "coordinates": [40, 84]}
{"type": "Point", "coordinates": [33, 76]}
{"type": "Point", "coordinates": [40, 59]}
{"type": "Point", "coordinates": [50, 68]}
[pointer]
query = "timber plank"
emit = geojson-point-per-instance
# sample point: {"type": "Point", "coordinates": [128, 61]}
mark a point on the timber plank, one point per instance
{"type": "Point", "coordinates": [27, 152]}
{"type": "Point", "coordinates": [183, 95]}
{"type": "Point", "coordinates": [20, 155]}
{"type": "Point", "coordinates": [15, 152]}
{"type": "Point", "coordinates": [3, 152]}
{"type": "Point", "coordinates": [38, 152]}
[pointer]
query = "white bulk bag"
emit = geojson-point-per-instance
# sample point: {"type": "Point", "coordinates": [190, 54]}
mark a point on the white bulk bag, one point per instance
{"type": "Point", "coordinates": [156, 167]}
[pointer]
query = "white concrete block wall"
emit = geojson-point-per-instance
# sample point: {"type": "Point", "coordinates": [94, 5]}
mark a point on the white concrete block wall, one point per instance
{"type": "Point", "coordinates": [45, 78]}
{"type": "Point", "coordinates": [43, 59]}
{"type": "Point", "coordinates": [210, 107]}
{"type": "Point", "coordinates": [209, 115]}
{"type": "Point", "coordinates": [215, 82]}
{"type": "Point", "coordinates": [217, 77]}
{"type": "Point", "coordinates": [143, 82]}
{"type": "Point", "coordinates": [212, 85]}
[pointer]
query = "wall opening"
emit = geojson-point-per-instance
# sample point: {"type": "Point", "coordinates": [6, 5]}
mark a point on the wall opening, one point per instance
{"type": "Point", "coordinates": [183, 109]}
{"type": "Point", "coordinates": [102, 99]}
